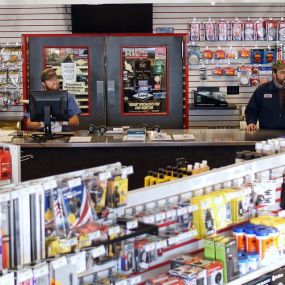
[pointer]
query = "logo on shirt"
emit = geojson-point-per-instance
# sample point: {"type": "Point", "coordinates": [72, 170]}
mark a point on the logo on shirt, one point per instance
{"type": "Point", "coordinates": [267, 95]}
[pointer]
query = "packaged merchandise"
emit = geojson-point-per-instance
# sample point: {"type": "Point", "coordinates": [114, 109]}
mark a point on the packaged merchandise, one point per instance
{"type": "Point", "coordinates": [249, 30]}
{"type": "Point", "coordinates": [226, 252]}
{"type": "Point", "coordinates": [222, 28]}
{"type": "Point", "coordinates": [3, 76]}
{"type": "Point", "coordinates": [231, 53]}
{"type": "Point", "coordinates": [207, 54]}
{"type": "Point", "coordinates": [271, 30]}
{"type": "Point", "coordinates": [194, 31]}
{"type": "Point", "coordinates": [281, 30]}
{"type": "Point", "coordinates": [210, 30]}
{"type": "Point", "coordinates": [7, 279]}
{"type": "Point", "coordinates": [237, 30]}
{"type": "Point", "coordinates": [41, 274]}
{"type": "Point", "coordinates": [13, 77]}
{"type": "Point", "coordinates": [244, 75]}
{"type": "Point", "coordinates": [244, 53]}
{"type": "Point", "coordinates": [219, 54]}
{"type": "Point", "coordinates": [269, 56]}
{"type": "Point", "coordinates": [257, 56]}
{"type": "Point", "coordinates": [193, 55]}
{"type": "Point", "coordinates": [260, 30]}
{"type": "Point", "coordinates": [25, 277]}
{"type": "Point", "coordinates": [117, 192]}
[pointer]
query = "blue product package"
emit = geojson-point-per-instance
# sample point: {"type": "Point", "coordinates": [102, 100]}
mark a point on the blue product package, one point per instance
{"type": "Point", "coordinates": [257, 56]}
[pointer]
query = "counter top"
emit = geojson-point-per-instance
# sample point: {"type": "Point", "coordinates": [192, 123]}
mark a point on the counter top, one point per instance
{"type": "Point", "coordinates": [203, 137]}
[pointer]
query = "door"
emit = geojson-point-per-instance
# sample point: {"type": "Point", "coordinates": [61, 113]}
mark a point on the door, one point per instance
{"type": "Point", "coordinates": [87, 54]}
{"type": "Point", "coordinates": [144, 81]}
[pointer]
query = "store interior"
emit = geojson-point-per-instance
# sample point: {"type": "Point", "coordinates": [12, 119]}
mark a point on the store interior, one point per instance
{"type": "Point", "coordinates": [160, 183]}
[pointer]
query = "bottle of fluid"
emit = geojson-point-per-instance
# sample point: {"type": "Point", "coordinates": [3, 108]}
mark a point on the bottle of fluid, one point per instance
{"type": "Point", "coordinates": [147, 178]}
{"type": "Point", "coordinates": [6, 164]}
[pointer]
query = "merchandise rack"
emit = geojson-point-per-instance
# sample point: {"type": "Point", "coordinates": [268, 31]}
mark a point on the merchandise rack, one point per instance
{"type": "Point", "coordinates": [187, 187]}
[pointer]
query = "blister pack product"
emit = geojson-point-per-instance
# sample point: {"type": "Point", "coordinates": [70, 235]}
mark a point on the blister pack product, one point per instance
{"type": "Point", "coordinates": [249, 30]}
{"type": "Point", "coordinates": [193, 55]}
{"type": "Point", "coordinates": [3, 76]}
{"type": "Point", "coordinates": [237, 30]}
{"type": "Point", "coordinates": [260, 30]}
{"type": "Point", "coordinates": [222, 30]}
{"type": "Point", "coordinates": [210, 30]}
{"type": "Point", "coordinates": [75, 202]}
{"type": "Point", "coordinates": [117, 192]}
{"type": "Point", "coordinates": [271, 29]}
{"type": "Point", "coordinates": [97, 190]}
{"type": "Point", "coordinates": [281, 30]}
{"type": "Point", "coordinates": [41, 274]}
{"type": "Point", "coordinates": [244, 75]}
{"type": "Point", "coordinates": [194, 31]}
{"type": "Point", "coordinates": [14, 77]}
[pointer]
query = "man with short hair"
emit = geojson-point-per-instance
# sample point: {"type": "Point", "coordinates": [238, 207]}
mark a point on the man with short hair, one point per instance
{"type": "Point", "coordinates": [50, 82]}
{"type": "Point", "coordinates": [267, 101]}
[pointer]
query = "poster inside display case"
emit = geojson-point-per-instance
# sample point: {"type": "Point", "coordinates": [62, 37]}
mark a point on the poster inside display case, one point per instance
{"type": "Point", "coordinates": [144, 80]}
{"type": "Point", "coordinates": [71, 65]}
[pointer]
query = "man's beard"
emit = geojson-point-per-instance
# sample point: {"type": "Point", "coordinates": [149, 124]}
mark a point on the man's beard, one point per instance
{"type": "Point", "coordinates": [279, 83]}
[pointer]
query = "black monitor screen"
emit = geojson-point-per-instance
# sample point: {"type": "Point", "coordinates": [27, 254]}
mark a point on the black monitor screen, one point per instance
{"type": "Point", "coordinates": [55, 102]}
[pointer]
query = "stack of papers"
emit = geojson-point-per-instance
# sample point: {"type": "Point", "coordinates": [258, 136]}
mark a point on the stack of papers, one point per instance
{"type": "Point", "coordinates": [5, 135]}
{"type": "Point", "coordinates": [154, 136]}
{"type": "Point", "coordinates": [80, 139]}
{"type": "Point", "coordinates": [134, 138]}
{"type": "Point", "coordinates": [183, 137]}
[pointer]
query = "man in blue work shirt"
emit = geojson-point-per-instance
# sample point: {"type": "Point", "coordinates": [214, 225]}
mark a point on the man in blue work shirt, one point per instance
{"type": "Point", "coordinates": [50, 82]}
{"type": "Point", "coordinates": [267, 101]}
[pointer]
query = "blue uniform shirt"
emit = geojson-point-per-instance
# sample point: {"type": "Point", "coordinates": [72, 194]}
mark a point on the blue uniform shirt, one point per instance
{"type": "Point", "coordinates": [264, 106]}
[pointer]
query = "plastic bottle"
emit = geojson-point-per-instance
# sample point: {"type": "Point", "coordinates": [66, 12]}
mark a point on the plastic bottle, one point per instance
{"type": "Point", "coordinates": [266, 150]}
{"type": "Point", "coordinates": [180, 175]}
{"type": "Point", "coordinates": [196, 168]}
{"type": "Point", "coordinates": [239, 234]}
{"type": "Point", "coordinates": [1, 157]}
{"type": "Point", "coordinates": [147, 178]}
{"type": "Point", "coordinates": [160, 178]}
{"type": "Point", "coordinates": [250, 240]}
{"type": "Point", "coordinates": [153, 179]}
{"type": "Point", "coordinates": [204, 166]}
{"type": "Point", "coordinates": [6, 164]}
{"type": "Point", "coordinates": [248, 156]}
{"type": "Point", "coordinates": [262, 237]}
{"type": "Point", "coordinates": [174, 176]}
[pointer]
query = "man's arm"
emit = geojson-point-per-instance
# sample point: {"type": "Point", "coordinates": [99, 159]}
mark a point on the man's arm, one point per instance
{"type": "Point", "coordinates": [252, 111]}
{"type": "Point", "coordinates": [73, 121]}
{"type": "Point", "coordinates": [34, 125]}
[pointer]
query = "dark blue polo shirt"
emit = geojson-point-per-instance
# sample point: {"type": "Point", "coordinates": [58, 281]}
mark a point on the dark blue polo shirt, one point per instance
{"type": "Point", "coordinates": [264, 106]}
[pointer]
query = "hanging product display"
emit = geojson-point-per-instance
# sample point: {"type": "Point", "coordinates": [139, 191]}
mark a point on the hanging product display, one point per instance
{"type": "Point", "coordinates": [10, 76]}
{"type": "Point", "coordinates": [222, 28]}
{"type": "Point", "coordinates": [210, 30]}
{"type": "Point", "coordinates": [194, 31]}
{"type": "Point", "coordinates": [281, 30]}
{"type": "Point", "coordinates": [249, 30]}
{"type": "Point", "coordinates": [260, 30]}
{"type": "Point", "coordinates": [144, 80]}
{"type": "Point", "coordinates": [237, 30]}
{"type": "Point", "coordinates": [271, 30]}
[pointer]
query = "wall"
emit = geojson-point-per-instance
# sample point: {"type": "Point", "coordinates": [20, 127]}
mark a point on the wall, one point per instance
{"type": "Point", "coordinates": [15, 20]}
{"type": "Point", "coordinates": [178, 16]}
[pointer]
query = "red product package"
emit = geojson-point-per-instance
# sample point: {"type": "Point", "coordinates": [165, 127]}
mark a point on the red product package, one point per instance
{"type": "Point", "coordinates": [271, 28]}
{"type": "Point", "coordinates": [248, 30]}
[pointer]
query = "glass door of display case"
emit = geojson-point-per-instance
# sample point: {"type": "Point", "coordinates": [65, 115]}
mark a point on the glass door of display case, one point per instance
{"type": "Point", "coordinates": [145, 81]}
{"type": "Point", "coordinates": [79, 64]}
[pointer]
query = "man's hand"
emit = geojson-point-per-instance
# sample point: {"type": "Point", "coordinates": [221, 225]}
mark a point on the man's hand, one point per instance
{"type": "Point", "coordinates": [251, 127]}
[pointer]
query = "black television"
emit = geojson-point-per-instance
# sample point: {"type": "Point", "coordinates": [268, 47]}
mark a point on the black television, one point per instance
{"type": "Point", "coordinates": [112, 18]}
{"type": "Point", "coordinates": [47, 107]}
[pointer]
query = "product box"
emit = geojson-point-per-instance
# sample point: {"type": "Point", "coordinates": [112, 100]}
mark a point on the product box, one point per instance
{"type": "Point", "coordinates": [127, 260]}
{"type": "Point", "coordinates": [158, 279]}
{"type": "Point", "coordinates": [226, 252]}
{"type": "Point", "coordinates": [209, 247]}
{"type": "Point", "coordinates": [214, 270]}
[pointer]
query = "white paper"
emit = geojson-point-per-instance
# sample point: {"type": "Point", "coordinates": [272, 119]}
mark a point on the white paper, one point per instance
{"type": "Point", "coordinates": [68, 71]}
{"type": "Point", "coordinates": [184, 137]}
{"type": "Point", "coordinates": [160, 137]}
{"type": "Point", "coordinates": [75, 139]}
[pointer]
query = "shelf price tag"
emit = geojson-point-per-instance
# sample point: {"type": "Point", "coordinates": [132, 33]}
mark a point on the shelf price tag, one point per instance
{"type": "Point", "coordinates": [74, 182]}
{"type": "Point", "coordinates": [59, 262]}
{"type": "Point", "coordinates": [149, 247]}
{"type": "Point", "coordinates": [114, 230]}
{"type": "Point", "coordinates": [192, 208]}
{"type": "Point", "coordinates": [51, 184]}
{"type": "Point", "coordinates": [148, 219]}
{"type": "Point", "coordinates": [105, 175]}
{"type": "Point", "coordinates": [132, 224]}
{"type": "Point", "coordinates": [121, 282]}
{"type": "Point", "coordinates": [161, 244]}
{"type": "Point", "coordinates": [94, 235]}
{"type": "Point", "coordinates": [172, 240]}
{"type": "Point", "coordinates": [98, 251]}
{"type": "Point", "coordinates": [160, 217]}
{"type": "Point", "coordinates": [40, 271]}
{"type": "Point", "coordinates": [7, 279]}
{"type": "Point", "coordinates": [170, 214]}
{"type": "Point", "coordinates": [182, 211]}
{"type": "Point", "coordinates": [135, 280]}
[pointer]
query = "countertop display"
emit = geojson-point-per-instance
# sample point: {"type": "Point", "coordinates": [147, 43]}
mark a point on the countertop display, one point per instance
{"type": "Point", "coordinates": [203, 137]}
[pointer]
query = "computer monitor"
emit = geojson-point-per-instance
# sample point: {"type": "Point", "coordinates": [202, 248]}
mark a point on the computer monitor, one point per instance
{"type": "Point", "coordinates": [48, 106]}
